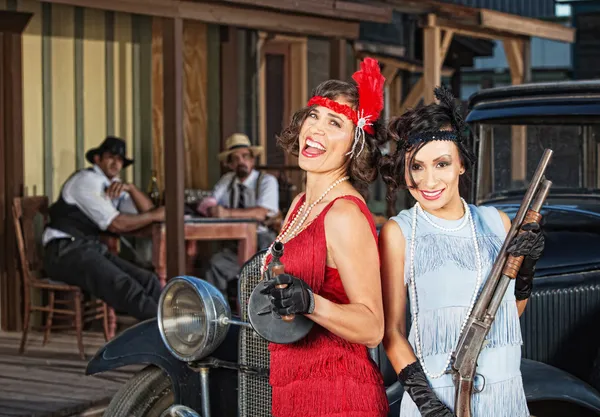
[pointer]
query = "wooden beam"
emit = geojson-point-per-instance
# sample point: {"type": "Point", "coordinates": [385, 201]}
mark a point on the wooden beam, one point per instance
{"type": "Point", "coordinates": [514, 55]}
{"type": "Point", "coordinates": [389, 73]}
{"type": "Point", "coordinates": [518, 162]}
{"type": "Point", "coordinates": [174, 144]}
{"type": "Point", "coordinates": [404, 65]}
{"type": "Point", "coordinates": [229, 83]}
{"type": "Point", "coordinates": [326, 8]}
{"type": "Point", "coordinates": [158, 151]}
{"type": "Point", "coordinates": [158, 8]}
{"type": "Point", "coordinates": [446, 42]}
{"type": "Point", "coordinates": [475, 31]}
{"type": "Point", "coordinates": [228, 15]}
{"type": "Point", "coordinates": [298, 83]}
{"type": "Point", "coordinates": [12, 25]}
{"type": "Point", "coordinates": [432, 61]}
{"type": "Point", "coordinates": [5, 310]}
{"type": "Point", "coordinates": [504, 22]}
{"type": "Point", "coordinates": [526, 54]}
{"type": "Point", "coordinates": [337, 59]}
{"type": "Point", "coordinates": [485, 23]}
{"type": "Point", "coordinates": [361, 11]}
{"type": "Point", "coordinates": [419, 89]}
{"type": "Point", "coordinates": [262, 95]}
{"type": "Point", "coordinates": [414, 96]}
{"type": "Point", "coordinates": [268, 20]}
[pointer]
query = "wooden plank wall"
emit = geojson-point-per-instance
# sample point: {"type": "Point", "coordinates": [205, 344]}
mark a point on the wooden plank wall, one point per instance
{"type": "Point", "coordinates": [83, 71]}
{"type": "Point", "coordinates": [195, 103]}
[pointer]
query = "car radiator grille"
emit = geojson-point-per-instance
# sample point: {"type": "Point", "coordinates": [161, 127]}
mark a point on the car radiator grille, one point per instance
{"type": "Point", "coordinates": [254, 390]}
{"type": "Point", "coordinates": [558, 318]}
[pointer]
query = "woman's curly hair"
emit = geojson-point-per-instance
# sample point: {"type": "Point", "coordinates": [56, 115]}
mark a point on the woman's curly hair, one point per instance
{"type": "Point", "coordinates": [434, 117]}
{"type": "Point", "coordinates": [362, 169]}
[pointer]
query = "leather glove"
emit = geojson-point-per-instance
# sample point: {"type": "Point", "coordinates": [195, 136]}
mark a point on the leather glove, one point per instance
{"type": "Point", "coordinates": [415, 383]}
{"type": "Point", "coordinates": [529, 244]}
{"type": "Point", "coordinates": [296, 298]}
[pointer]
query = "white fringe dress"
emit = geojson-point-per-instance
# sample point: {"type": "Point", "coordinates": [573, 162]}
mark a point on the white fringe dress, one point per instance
{"type": "Point", "coordinates": [445, 275]}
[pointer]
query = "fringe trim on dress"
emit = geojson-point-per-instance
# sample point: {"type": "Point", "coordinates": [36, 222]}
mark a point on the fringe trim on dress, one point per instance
{"type": "Point", "coordinates": [433, 251]}
{"type": "Point", "coordinates": [439, 329]}
{"type": "Point", "coordinates": [353, 399]}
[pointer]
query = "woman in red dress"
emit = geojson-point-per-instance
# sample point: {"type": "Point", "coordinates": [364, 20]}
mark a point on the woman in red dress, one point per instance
{"type": "Point", "coordinates": [331, 258]}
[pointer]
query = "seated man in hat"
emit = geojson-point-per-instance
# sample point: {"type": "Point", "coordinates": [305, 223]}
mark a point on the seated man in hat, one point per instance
{"type": "Point", "coordinates": [241, 193]}
{"type": "Point", "coordinates": [92, 201]}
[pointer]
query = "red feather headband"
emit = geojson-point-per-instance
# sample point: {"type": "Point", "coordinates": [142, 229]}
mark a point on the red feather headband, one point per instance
{"type": "Point", "coordinates": [370, 85]}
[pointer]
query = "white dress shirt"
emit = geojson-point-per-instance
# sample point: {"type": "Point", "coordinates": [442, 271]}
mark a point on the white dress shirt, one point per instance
{"type": "Point", "coordinates": [268, 194]}
{"type": "Point", "coordinates": [86, 190]}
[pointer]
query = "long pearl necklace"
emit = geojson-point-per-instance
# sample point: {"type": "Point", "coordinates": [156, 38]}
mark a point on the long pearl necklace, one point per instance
{"type": "Point", "coordinates": [413, 287]}
{"type": "Point", "coordinates": [288, 231]}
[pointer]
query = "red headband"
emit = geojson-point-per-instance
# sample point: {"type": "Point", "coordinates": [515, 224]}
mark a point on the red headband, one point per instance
{"type": "Point", "coordinates": [370, 84]}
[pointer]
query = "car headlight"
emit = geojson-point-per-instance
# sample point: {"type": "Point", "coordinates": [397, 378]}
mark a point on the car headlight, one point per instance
{"type": "Point", "coordinates": [192, 318]}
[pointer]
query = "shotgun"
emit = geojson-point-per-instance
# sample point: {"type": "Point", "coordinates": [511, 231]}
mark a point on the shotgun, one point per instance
{"type": "Point", "coordinates": [464, 358]}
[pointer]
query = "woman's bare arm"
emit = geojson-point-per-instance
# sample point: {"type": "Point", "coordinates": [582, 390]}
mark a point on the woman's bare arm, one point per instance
{"type": "Point", "coordinates": [352, 249]}
{"type": "Point", "coordinates": [392, 245]}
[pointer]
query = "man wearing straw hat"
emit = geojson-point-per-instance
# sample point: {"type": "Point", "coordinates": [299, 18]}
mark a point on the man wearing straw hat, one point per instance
{"type": "Point", "coordinates": [241, 193]}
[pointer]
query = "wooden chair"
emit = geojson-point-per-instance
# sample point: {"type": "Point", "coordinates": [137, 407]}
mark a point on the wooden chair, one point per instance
{"type": "Point", "coordinates": [25, 212]}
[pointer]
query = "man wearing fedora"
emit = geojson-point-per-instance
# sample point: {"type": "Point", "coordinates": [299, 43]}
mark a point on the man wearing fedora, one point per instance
{"type": "Point", "coordinates": [93, 201]}
{"type": "Point", "coordinates": [243, 192]}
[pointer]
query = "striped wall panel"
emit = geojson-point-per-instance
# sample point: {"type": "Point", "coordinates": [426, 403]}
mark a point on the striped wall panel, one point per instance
{"type": "Point", "coordinates": [86, 73]}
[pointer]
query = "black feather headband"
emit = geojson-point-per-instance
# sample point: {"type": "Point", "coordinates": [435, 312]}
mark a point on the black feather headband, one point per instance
{"type": "Point", "coordinates": [452, 108]}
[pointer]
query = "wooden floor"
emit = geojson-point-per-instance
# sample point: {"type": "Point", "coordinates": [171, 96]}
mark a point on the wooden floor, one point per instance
{"type": "Point", "coordinates": [50, 381]}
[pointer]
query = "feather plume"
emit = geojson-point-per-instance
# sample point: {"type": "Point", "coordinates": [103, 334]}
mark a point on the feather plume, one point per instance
{"type": "Point", "coordinates": [370, 84]}
{"type": "Point", "coordinates": [448, 101]}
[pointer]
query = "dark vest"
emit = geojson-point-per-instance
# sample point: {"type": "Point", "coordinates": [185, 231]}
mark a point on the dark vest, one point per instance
{"type": "Point", "coordinates": [256, 189]}
{"type": "Point", "coordinates": [70, 219]}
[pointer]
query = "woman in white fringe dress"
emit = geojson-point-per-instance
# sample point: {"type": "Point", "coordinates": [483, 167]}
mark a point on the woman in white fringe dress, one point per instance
{"type": "Point", "coordinates": [436, 256]}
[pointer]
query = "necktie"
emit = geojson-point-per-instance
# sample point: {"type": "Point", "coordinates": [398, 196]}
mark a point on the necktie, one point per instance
{"type": "Point", "coordinates": [241, 196]}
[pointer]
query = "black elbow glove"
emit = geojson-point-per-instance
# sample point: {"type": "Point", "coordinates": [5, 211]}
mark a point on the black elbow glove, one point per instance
{"type": "Point", "coordinates": [529, 244]}
{"type": "Point", "coordinates": [415, 383]}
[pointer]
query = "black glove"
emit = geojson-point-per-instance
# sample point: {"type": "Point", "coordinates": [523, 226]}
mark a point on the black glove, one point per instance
{"type": "Point", "coordinates": [415, 383]}
{"type": "Point", "coordinates": [296, 298]}
{"type": "Point", "coordinates": [529, 244]}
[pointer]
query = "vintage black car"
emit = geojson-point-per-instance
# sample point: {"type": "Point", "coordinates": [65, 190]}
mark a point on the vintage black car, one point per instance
{"type": "Point", "coordinates": [203, 362]}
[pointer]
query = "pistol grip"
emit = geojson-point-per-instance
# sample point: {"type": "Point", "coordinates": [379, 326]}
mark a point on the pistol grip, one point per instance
{"type": "Point", "coordinates": [277, 270]}
{"type": "Point", "coordinates": [291, 316]}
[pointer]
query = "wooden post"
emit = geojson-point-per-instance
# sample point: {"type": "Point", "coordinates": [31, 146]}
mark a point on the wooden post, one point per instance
{"type": "Point", "coordinates": [418, 90]}
{"type": "Point", "coordinates": [229, 83]}
{"type": "Point", "coordinates": [262, 94]}
{"type": "Point", "coordinates": [173, 144]}
{"type": "Point", "coordinates": [12, 25]}
{"type": "Point", "coordinates": [526, 53]}
{"type": "Point", "coordinates": [432, 63]}
{"type": "Point", "coordinates": [514, 50]}
{"type": "Point", "coordinates": [337, 59]}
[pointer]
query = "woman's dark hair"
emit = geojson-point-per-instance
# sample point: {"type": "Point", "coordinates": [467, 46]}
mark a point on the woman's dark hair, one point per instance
{"type": "Point", "coordinates": [362, 169]}
{"type": "Point", "coordinates": [424, 120]}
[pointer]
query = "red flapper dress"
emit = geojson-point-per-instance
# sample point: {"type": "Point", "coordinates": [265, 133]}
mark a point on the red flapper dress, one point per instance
{"type": "Point", "coordinates": [323, 375]}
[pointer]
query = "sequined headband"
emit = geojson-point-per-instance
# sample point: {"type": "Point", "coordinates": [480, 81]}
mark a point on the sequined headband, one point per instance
{"type": "Point", "coordinates": [370, 85]}
{"type": "Point", "coordinates": [424, 137]}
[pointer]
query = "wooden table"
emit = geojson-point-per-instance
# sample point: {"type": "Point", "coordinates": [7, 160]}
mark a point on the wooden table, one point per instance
{"type": "Point", "coordinates": [202, 228]}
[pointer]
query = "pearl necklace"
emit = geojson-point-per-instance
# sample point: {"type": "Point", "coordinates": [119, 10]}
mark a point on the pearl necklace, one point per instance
{"type": "Point", "coordinates": [413, 287]}
{"type": "Point", "coordinates": [288, 231]}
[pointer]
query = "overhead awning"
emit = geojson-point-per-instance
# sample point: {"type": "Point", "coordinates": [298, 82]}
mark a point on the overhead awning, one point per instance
{"type": "Point", "coordinates": [326, 18]}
